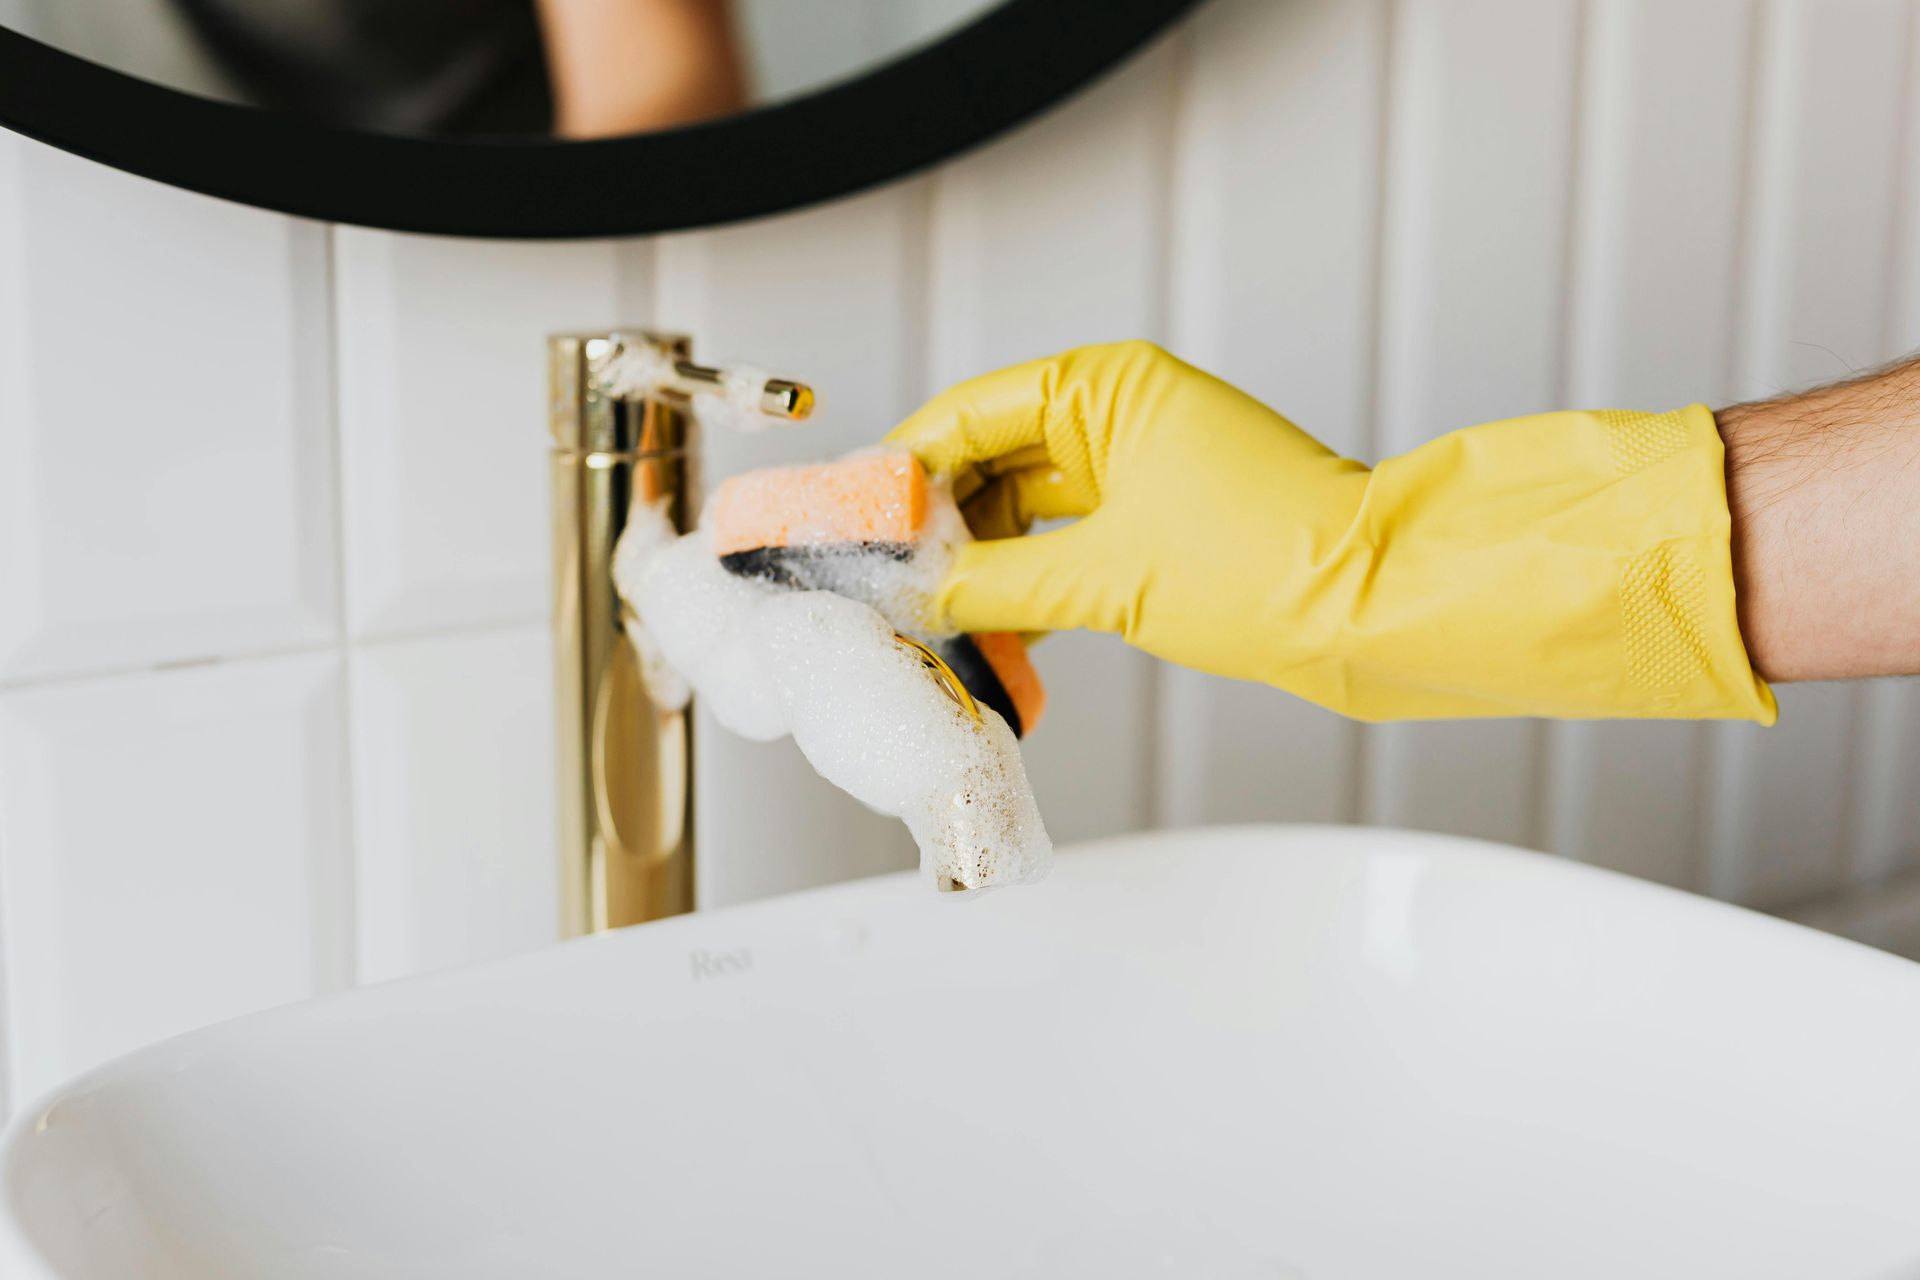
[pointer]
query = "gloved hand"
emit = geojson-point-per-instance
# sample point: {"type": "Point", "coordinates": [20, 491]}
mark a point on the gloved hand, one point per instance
{"type": "Point", "coordinates": [1570, 564]}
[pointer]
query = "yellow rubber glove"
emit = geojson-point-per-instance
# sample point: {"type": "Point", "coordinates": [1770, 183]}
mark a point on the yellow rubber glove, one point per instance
{"type": "Point", "coordinates": [1570, 564]}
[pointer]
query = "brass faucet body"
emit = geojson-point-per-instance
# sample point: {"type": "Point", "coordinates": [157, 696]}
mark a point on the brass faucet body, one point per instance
{"type": "Point", "coordinates": [625, 763]}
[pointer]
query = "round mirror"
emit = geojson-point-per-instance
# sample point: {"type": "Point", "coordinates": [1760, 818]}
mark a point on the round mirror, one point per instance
{"type": "Point", "coordinates": [543, 118]}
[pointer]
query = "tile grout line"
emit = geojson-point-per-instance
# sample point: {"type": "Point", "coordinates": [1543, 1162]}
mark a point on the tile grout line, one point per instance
{"type": "Point", "coordinates": [335, 645]}
{"type": "Point", "coordinates": [14, 253]}
{"type": "Point", "coordinates": [7, 1036]}
{"type": "Point", "coordinates": [1706, 745]}
{"type": "Point", "coordinates": [1557, 744]}
{"type": "Point", "coordinates": [637, 259]}
{"type": "Point", "coordinates": [8, 1039]}
{"type": "Point", "coordinates": [1158, 686]}
{"type": "Point", "coordinates": [348, 963]}
{"type": "Point", "coordinates": [1715, 872]}
{"type": "Point", "coordinates": [1369, 741]}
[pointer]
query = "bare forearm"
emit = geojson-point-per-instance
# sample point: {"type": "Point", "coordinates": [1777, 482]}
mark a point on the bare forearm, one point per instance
{"type": "Point", "coordinates": [625, 66]}
{"type": "Point", "coordinates": [1824, 489]}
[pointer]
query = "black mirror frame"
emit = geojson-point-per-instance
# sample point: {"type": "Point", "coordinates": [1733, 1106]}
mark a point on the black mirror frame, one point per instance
{"type": "Point", "coordinates": [1006, 66]}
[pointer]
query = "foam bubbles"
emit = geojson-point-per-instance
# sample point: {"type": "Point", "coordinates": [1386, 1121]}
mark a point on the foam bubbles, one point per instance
{"type": "Point", "coordinates": [733, 404]}
{"type": "Point", "coordinates": [825, 667]}
{"type": "Point", "coordinates": [901, 590]}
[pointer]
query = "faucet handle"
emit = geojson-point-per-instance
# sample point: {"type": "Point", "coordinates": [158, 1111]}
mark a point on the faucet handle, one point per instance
{"type": "Point", "coordinates": [641, 362]}
{"type": "Point", "coordinates": [742, 387]}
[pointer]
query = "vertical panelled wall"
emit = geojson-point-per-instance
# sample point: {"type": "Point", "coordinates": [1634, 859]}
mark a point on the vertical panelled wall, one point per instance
{"type": "Point", "coordinates": [274, 660]}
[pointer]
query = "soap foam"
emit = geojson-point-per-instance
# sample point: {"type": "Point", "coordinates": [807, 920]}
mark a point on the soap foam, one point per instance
{"type": "Point", "coordinates": [900, 590]}
{"type": "Point", "coordinates": [825, 666]}
{"type": "Point", "coordinates": [642, 369]}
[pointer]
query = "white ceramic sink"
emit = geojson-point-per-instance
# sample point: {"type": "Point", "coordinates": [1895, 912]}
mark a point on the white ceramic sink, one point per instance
{"type": "Point", "coordinates": [1228, 1054]}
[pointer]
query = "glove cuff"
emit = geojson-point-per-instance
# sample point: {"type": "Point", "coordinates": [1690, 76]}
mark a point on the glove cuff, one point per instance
{"type": "Point", "coordinates": [1570, 565]}
{"type": "Point", "coordinates": [1678, 613]}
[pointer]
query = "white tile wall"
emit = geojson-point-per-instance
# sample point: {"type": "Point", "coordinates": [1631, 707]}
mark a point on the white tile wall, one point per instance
{"type": "Point", "coordinates": [452, 751]}
{"type": "Point", "coordinates": [1886, 916]}
{"type": "Point", "coordinates": [309, 461]}
{"type": "Point", "coordinates": [443, 486]}
{"type": "Point", "coordinates": [174, 851]}
{"type": "Point", "coordinates": [164, 381]}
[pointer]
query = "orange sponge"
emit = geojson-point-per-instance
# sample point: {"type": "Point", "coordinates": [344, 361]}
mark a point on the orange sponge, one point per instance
{"type": "Point", "coordinates": [881, 498]}
{"type": "Point", "coordinates": [1006, 653]}
{"type": "Point", "coordinates": [782, 524]}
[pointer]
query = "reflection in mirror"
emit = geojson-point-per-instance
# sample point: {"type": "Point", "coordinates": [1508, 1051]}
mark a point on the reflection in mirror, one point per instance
{"type": "Point", "coordinates": [573, 68]}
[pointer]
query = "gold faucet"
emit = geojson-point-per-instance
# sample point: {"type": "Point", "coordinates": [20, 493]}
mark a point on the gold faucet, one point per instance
{"type": "Point", "coordinates": [626, 764]}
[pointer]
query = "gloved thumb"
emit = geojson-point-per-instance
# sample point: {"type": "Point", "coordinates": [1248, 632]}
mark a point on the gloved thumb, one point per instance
{"type": "Point", "coordinates": [1041, 582]}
